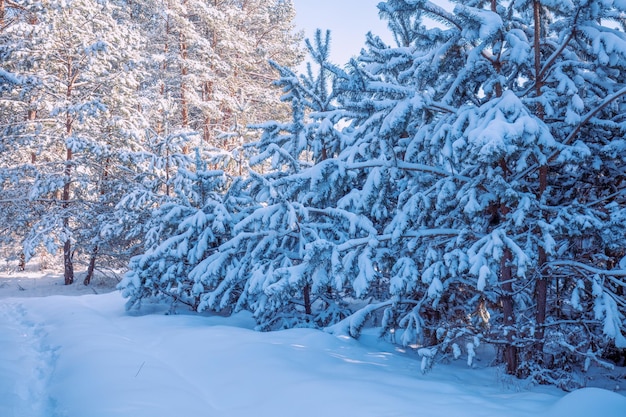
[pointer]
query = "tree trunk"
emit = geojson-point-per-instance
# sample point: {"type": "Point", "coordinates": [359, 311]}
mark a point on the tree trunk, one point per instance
{"type": "Point", "coordinates": [306, 292]}
{"type": "Point", "coordinates": [184, 105]}
{"type": "Point", "coordinates": [91, 267]}
{"type": "Point", "coordinates": [67, 246]}
{"type": "Point", "coordinates": [160, 128]}
{"type": "Point", "coordinates": [184, 102]}
{"type": "Point", "coordinates": [541, 292]}
{"type": "Point", "coordinates": [207, 95]}
{"type": "Point", "coordinates": [67, 263]}
{"type": "Point", "coordinates": [541, 286]}
{"type": "Point", "coordinates": [508, 310]}
{"type": "Point", "coordinates": [67, 174]}
{"type": "Point", "coordinates": [506, 273]}
{"type": "Point", "coordinates": [30, 118]}
{"type": "Point", "coordinates": [22, 265]}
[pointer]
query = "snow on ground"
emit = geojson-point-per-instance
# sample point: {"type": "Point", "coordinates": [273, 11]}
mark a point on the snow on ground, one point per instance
{"type": "Point", "coordinates": [35, 283]}
{"type": "Point", "coordinates": [82, 355]}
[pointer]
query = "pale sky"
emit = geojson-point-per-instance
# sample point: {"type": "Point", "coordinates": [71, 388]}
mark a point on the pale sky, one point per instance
{"type": "Point", "coordinates": [348, 21]}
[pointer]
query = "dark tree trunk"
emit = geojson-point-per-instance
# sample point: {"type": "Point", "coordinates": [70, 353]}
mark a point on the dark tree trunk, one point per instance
{"type": "Point", "coordinates": [184, 105]}
{"type": "Point", "coordinates": [508, 310]}
{"type": "Point", "coordinates": [67, 263]}
{"type": "Point", "coordinates": [541, 294]}
{"type": "Point", "coordinates": [67, 174]}
{"type": "Point", "coordinates": [307, 299]}
{"type": "Point", "coordinates": [67, 246]}
{"type": "Point", "coordinates": [91, 267]}
{"type": "Point", "coordinates": [541, 286]}
{"type": "Point", "coordinates": [22, 264]}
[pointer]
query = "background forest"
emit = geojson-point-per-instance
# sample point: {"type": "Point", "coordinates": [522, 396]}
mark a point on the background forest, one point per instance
{"type": "Point", "coordinates": [463, 187]}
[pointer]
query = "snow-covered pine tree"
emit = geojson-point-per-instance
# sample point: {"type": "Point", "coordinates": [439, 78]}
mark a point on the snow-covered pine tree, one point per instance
{"type": "Point", "coordinates": [580, 91]}
{"type": "Point", "coordinates": [211, 58]}
{"type": "Point", "coordinates": [15, 121]}
{"type": "Point", "coordinates": [275, 263]}
{"type": "Point", "coordinates": [78, 118]}
{"type": "Point", "coordinates": [190, 216]}
{"type": "Point", "coordinates": [13, 179]}
{"type": "Point", "coordinates": [488, 115]}
{"type": "Point", "coordinates": [210, 74]}
{"type": "Point", "coordinates": [155, 168]}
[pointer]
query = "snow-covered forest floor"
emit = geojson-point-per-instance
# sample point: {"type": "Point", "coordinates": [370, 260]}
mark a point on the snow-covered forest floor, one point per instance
{"type": "Point", "coordinates": [79, 353]}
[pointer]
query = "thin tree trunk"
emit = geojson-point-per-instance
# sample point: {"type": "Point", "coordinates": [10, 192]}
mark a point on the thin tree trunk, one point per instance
{"type": "Point", "coordinates": [184, 105]}
{"type": "Point", "coordinates": [541, 287]}
{"type": "Point", "coordinates": [184, 102]}
{"type": "Point", "coordinates": [22, 265]}
{"type": "Point", "coordinates": [94, 252]}
{"type": "Point", "coordinates": [208, 88]}
{"type": "Point", "coordinates": [306, 292]}
{"type": "Point", "coordinates": [67, 246]}
{"type": "Point", "coordinates": [207, 94]}
{"type": "Point", "coordinates": [160, 129]}
{"type": "Point", "coordinates": [68, 270]}
{"type": "Point", "coordinates": [30, 118]}
{"type": "Point", "coordinates": [506, 273]}
{"type": "Point", "coordinates": [508, 304]}
{"type": "Point", "coordinates": [497, 64]}
{"type": "Point", "coordinates": [167, 170]}
{"type": "Point", "coordinates": [508, 309]}
{"type": "Point", "coordinates": [91, 267]}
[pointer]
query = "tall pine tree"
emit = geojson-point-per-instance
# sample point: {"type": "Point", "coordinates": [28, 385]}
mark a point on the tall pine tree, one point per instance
{"type": "Point", "coordinates": [74, 119]}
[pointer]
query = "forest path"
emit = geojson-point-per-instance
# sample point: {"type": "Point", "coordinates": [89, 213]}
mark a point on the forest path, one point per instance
{"type": "Point", "coordinates": [26, 364]}
{"type": "Point", "coordinates": [64, 356]}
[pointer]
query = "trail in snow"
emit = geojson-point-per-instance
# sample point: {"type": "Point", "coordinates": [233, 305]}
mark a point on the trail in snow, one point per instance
{"type": "Point", "coordinates": [109, 363]}
{"type": "Point", "coordinates": [85, 356]}
{"type": "Point", "coordinates": [26, 364]}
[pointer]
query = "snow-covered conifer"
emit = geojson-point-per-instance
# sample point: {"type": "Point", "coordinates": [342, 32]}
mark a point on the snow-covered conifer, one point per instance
{"type": "Point", "coordinates": [190, 216]}
{"type": "Point", "coordinates": [276, 261]}
{"type": "Point", "coordinates": [506, 121]}
{"type": "Point", "coordinates": [73, 121]}
{"type": "Point", "coordinates": [212, 59]}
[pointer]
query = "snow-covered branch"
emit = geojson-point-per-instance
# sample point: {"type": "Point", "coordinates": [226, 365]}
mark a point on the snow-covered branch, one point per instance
{"type": "Point", "coordinates": [589, 268]}
{"type": "Point", "coordinates": [351, 244]}
{"type": "Point", "coordinates": [408, 166]}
